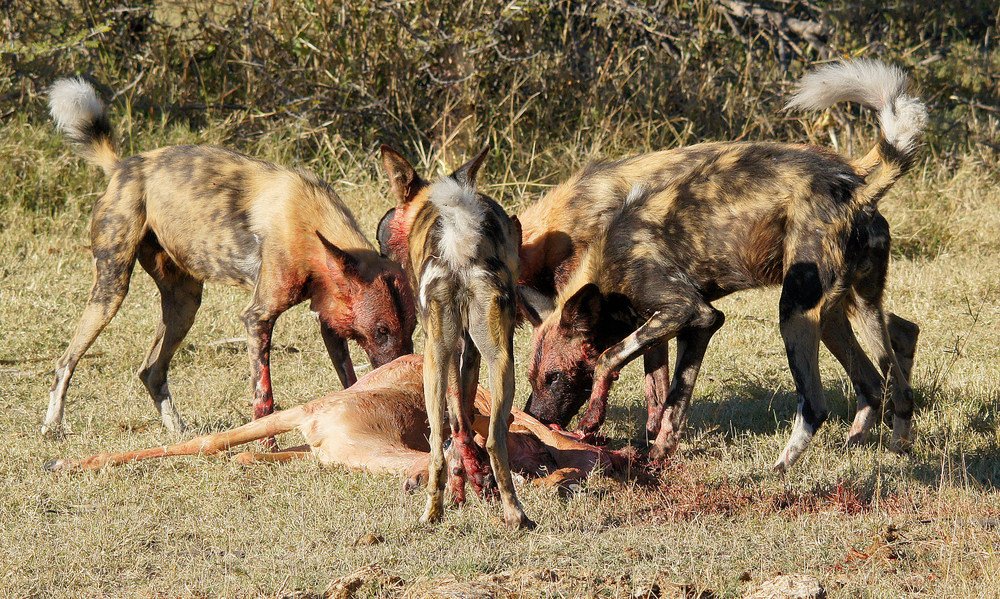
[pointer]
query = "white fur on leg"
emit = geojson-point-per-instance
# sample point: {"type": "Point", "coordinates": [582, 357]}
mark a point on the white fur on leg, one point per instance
{"type": "Point", "coordinates": [802, 433]}
{"type": "Point", "coordinates": [434, 509]}
{"type": "Point", "coordinates": [864, 420]}
{"type": "Point", "coordinates": [169, 416]}
{"type": "Point", "coordinates": [54, 414]}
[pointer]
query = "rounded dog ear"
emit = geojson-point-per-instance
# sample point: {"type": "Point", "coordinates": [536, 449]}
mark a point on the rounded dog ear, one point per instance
{"type": "Point", "coordinates": [582, 311]}
{"type": "Point", "coordinates": [618, 307]}
{"type": "Point", "coordinates": [404, 182]}
{"type": "Point", "coordinates": [618, 319]}
{"type": "Point", "coordinates": [466, 174]}
{"type": "Point", "coordinates": [338, 261]}
{"type": "Point", "coordinates": [383, 233]}
{"type": "Point", "coordinates": [535, 306]}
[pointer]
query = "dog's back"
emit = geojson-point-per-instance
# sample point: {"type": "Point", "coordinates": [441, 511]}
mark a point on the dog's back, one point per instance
{"type": "Point", "coordinates": [461, 239]}
{"type": "Point", "coordinates": [215, 211]}
{"type": "Point", "coordinates": [558, 228]}
{"type": "Point", "coordinates": [724, 221]}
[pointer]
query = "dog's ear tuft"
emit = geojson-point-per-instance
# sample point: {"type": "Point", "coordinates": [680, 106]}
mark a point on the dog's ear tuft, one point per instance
{"type": "Point", "coordinates": [535, 306]}
{"type": "Point", "coordinates": [466, 174]}
{"type": "Point", "coordinates": [404, 182]}
{"type": "Point", "coordinates": [339, 261]}
{"type": "Point", "coordinates": [582, 311]}
{"type": "Point", "coordinates": [384, 232]}
{"type": "Point", "coordinates": [515, 227]}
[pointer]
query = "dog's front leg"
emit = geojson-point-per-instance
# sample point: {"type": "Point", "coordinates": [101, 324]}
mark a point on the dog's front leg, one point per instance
{"type": "Point", "coordinates": [260, 325]}
{"type": "Point", "coordinates": [691, 346]}
{"type": "Point", "coordinates": [658, 329]}
{"type": "Point", "coordinates": [655, 366]}
{"type": "Point", "coordinates": [340, 355]}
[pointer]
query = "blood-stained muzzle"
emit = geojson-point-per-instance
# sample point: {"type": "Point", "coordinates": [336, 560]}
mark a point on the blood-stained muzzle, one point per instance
{"type": "Point", "coordinates": [553, 408]}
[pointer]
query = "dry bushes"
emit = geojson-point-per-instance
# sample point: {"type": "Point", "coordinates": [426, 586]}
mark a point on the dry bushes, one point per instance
{"type": "Point", "coordinates": [544, 79]}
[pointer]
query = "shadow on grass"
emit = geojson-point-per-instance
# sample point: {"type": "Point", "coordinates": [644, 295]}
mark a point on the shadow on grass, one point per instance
{"type": "Point", "coordinates": [744, 408]}
{"type": "Point", "coordinates": [968, 454]}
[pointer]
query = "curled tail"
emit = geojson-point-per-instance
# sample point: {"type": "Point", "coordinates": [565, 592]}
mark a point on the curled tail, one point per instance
{"type": "Point", "coordinates": [883, 88]}
{"type": "Point", "coordinates": [82, 117]}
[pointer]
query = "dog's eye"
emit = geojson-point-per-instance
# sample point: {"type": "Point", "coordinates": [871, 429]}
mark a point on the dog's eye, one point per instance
{"type": "Point", "coordinates": [382, 331]}
{"type": "Point", "coordinates": [553, 378]}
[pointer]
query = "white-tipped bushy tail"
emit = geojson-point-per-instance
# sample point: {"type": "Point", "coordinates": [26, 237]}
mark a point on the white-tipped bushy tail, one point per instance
{"type": "Point", "coordinates": [81, 116]}
{"type": "Point", "coordinates": [875, 85]}
{"type": "Point", "coordinates": [461, 216]}
{"type": "Point", "coordinates": [883, 88]}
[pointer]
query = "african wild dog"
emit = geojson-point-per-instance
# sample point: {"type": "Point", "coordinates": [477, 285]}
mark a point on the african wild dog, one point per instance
{"type": "Point", "coordinates": [459, 248]}
{"type": "Point", "coordinates": [558, 228]}
{"type": "Point", "coordinates": [380, 424]}
{"type": "Point", "coordinates": [191, 214]}
{"type": "Point", "coordinates": [738, 216]}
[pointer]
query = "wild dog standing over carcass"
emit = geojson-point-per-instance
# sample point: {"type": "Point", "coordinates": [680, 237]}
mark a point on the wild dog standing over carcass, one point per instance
{"type": "Point", "coordinates": [460, 250]}
{"type": "Point", "coordinates": [744, 215]}
{"type": "Point", "coordinates": [191, 214]}
{"type": "Point", "coordinates": [380, 424]}
{"type": "Point", "coordinates": [557, 229]}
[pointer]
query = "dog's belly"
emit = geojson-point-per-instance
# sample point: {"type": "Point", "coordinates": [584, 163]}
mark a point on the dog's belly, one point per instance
{"type": "Point", "coordinates": [208, 249]}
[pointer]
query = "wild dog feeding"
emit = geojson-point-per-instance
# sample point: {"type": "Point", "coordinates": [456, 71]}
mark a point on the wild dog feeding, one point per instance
{"type": "Point", "coordinates": [460, 250]}
{"type": "Point", "coordinates": [191, 214]}
{"type": "Point", "coordinates": [557, 229]}
{"type": "Point", "coordinates": [744, 215]}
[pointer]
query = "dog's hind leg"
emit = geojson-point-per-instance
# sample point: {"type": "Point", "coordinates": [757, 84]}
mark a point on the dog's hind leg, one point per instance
{"type": "Point", "coordinates": [442, 328]}
{"type": "Point", "coordinates": [903, 335]}
{"type": "Point", "coordinates": [492, 328]}
{"type": "Point", "coordinates": [839, 338]}
{"type": "Point", "coordinates": [116, 229]}
{"type": "Point", "coordinates": [866, 313]}
{"type": "Point", "coordinates": [474, 461]}
{"type": "Point", "coordinates": [180, 298]}
{"type": "Point", "coordinates": [870, 321]}
{"type": "Point", "coordinates": [799, 310]}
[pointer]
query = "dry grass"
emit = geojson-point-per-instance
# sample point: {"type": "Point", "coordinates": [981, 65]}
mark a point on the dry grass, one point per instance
{"type": "Point", "coordinates": [865, 522]}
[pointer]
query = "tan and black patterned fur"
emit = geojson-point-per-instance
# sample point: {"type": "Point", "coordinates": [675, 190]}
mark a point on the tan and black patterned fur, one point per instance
{"type": "Point", "coordinates": [559, 227]}
{"type": "Point", "coordinates": [739, 216]}
{"type": "Point", "coordinates": [459, 248]}
{"type": "Point", "coordinates": [191, 214]}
